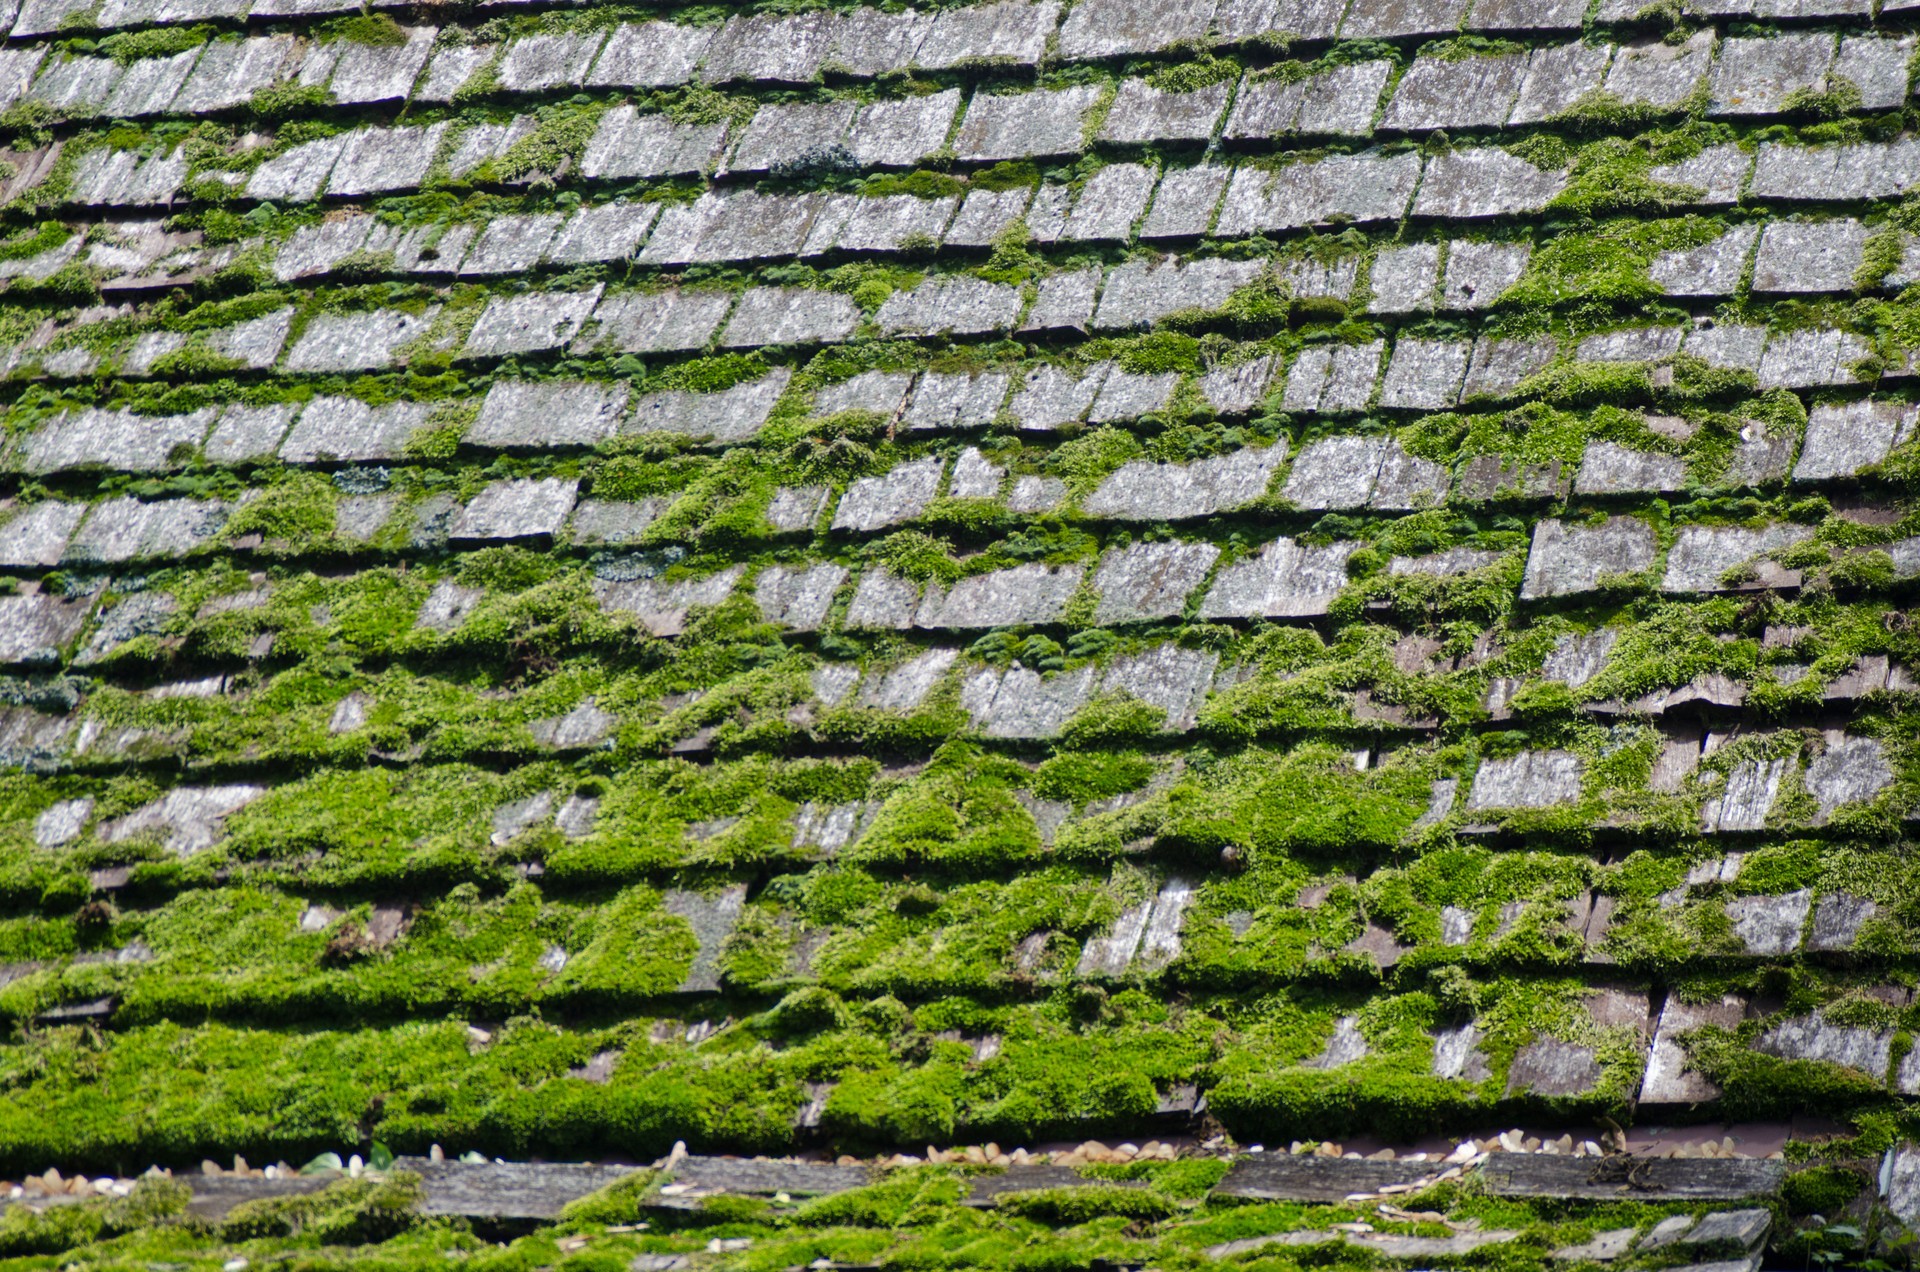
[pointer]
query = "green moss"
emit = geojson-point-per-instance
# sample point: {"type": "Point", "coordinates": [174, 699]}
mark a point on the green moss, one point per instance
{"type": "Point", "coordinates": [126, 47]}
{"type": "Point", "coordinates": [376, 30]}
{"type": "Point", "coordinates": [1190, 75]}
{"type": "Point", "coordinates": [294, 512]}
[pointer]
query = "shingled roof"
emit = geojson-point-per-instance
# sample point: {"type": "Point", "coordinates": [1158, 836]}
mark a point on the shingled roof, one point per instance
{"type": "Point", "coordinates": [848, 582]}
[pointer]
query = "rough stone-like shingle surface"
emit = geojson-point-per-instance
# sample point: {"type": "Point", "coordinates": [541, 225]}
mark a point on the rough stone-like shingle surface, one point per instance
{"type": "Point", "coordinates": [798, 582]}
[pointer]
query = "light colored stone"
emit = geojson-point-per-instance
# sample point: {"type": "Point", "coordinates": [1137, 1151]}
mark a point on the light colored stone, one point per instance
{"type": "Point", "coordinates": [1150, 580]}
{"type": "Point", "coordinates": [1338, 101]}
{"type": "Point", "coordinates": [1809, 256]}
{"type": "Point", "coordinates": [1021, 596]}
{"type": "Point", "coordinates": [1358, 189]}
{"type": "Point", "coordinates": [673, 320]}
{"type": "Point", "coordinates": [1570, 559]}
{"type": "Point", "coordinates": [873, 503]}
{"type": "Point", "coordinates": [1531, 779]}
{"type": "Point", "coordinates": [1010, 33]}
{"type": "Point", "coordinates": [347, 429]}
{"type": "Point", "coordinates": [1717, 173]}
{"type": "Point", "coordinates": [901, 133]}
{"type": "Point", "coordinates": [627, 144]}
{"type": "Point", "coordinates": [1019, 703]}
{"type": "Point", "coordinates": [1425, 375]}
{"type": "Point", "coordinates": [379, 160]}
{"type": "Point", "coordinates": [1109, 28]}
{"type": "Point", "coordinates": [731, 415]}
{"type": "Point", "coordinates": [950, 305]}
{"type": "Point", "coordinates": [1477, 272]}
{"type": "Point", "coordinates": [1815, 1037]}
{"type": "Point", "coordinates": [609, 232]}
{"type": "Point", "coordinates": [1712, 269]}
{"type": "Point", "coordinates": [1184, 205]}
{"type": "Point", "coordinates": [661, 607]}
{"type": "Point", "coordinates": [1845, 438]}
{"type": "Point", "coordinates": [1049, 397]}
{"type": "Point", "coordinates": [616, 523]}
{"type": "Point", "coordinates": [1756, 76]}
{"type": "Point", "coordinates": [369, 73]}
{"type": "Point", "coordinates": [1809, 357]}
{"type": "Point", "coordinates": [1285, 580]}
{"type": "Point", "coordinates": [529, 323]}
{"type": "Point", "coordinates": [1558, 77]}
{"type": "Point", "coordinates": [451, 67]}
{"type": "Point", "coordinates": [956, 399]}
{"type": "Point", "coordinates": [1064, 301]}
{"type": "Point", "coordinates": [1749, 796]}
{"type": "Point", "coordinates": [1499, 367]}
{"type": "Point", "coordinates": [1770, 925]}
{"type": "Point", "coordinates": [1669, 1079]}
{"type": "Point", "coordinates": [1485, 182]}
{"type": "Point", "coordinates": [1608, 468]}
{"type": "Point", "coordinates": [650, 55]}
{"type": "Point", "coordinates": [534, 63]}
{"type": "Point", "coordinates": [713, 919]}
{"type": "Point", "coordinates": [1877, 67]}
{"type": "Point", "coordinates": [1851, 770]}
{"type": "Point", "coordinates": [187, 819]}
{"type": "Point", "coordinates": [1336, 472]}
{"type": "Point", "coordinates": [1333, 379]}
{"type": "Point", "coordinates": [770, 48]}
{"type": "Point", "coordinates": [1469, 92]}
{"type": "Point", "coordinates": [510, 245]}
{"type": "Point", "coordinates": [1701, 555]}
{"type": "Point", "coordinates": [1140, 293]}
{"type": "Point", "coordinates": [356, 342]}
{"type": "Point", "coordinates": [798, 599]}
{"type": "Point", "coordinates": [1406, 279]}
{"type": "Point", "coordinates": [790, 315]}
{"type": "Point", "coordinates": [37, 534]}
{"type": "Point", "coordinates": [62, 823]}
{"type": "Point", "coordinates": [986, 215]}
{"type": "Point", "coordinates": [1041, 123]}
{"type": "Point", "coordinates": [1652, 72]}
{"type": "Point", "coordinates": [1239, 20]}
{"type": "Point", "coordinates": [1142, 114]}
{"type": "Point", "coordinates": [869, 42]}
{"type": "Point", "coordinates": [518, 508]}
{"type": "Point", "coordinates": [1174, 679]}
{"type": "Point", "coordinates": [113, 439]}
{"type": "Point", "coordinates": [539, 414]}
{"type": "Point", "coordinates": [1142, 491]}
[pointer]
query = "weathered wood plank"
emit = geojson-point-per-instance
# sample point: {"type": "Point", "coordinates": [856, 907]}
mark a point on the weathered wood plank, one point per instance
{"type": "Point", "coordinates": [1648, 1178]}
{"type": "Point", "coordinates": [508, 1190]}
{"type": "Point", "coordinates": [1282, 1177]}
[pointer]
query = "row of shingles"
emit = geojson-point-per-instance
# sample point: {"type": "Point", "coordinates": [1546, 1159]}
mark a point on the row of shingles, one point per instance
{"type": "Point", "coordinates": [217, 76]}
{"type": "Point", "coordinates": [1753, 77]}
{"type": "Point", "coordinates": [523, 416]}
{"type": "Point", "coordinates": [1787, 258]}
{"type": "Point", "coordinates": [1149, 936]}
{"type": "Point", "coordinates": [1363, 188]}
{"type": "Point", "coordinates": [1745, 77]}
{"type": "Point", "coordinates": [770, 47]}
{"type": "Point", "coordinates": [544, 415]}
{"type": "Point", "coordinates": [1145, 582]}
{"type": "Point", "coordinates": [798, 49]}
{"type": "Point", "coordinates": [1836, 776]}
{"type": "Point", "coordinates": [727, 227]}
